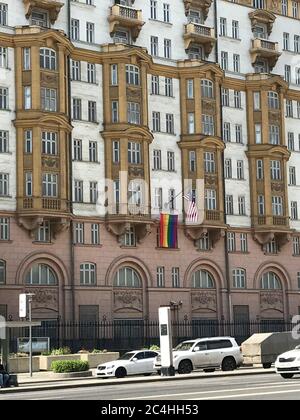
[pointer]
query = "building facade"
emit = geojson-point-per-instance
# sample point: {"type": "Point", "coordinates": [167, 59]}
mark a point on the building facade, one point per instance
{"type": "Point", "coordinates": [109, 111]}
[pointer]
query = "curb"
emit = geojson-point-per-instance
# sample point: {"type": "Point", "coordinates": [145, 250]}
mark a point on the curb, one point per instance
{"type": "Point", "coordinates": [49, 387]}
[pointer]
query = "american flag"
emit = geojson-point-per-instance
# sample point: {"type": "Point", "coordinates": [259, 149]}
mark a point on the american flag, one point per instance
{"type": "Point", "coordinates": [192, 212]}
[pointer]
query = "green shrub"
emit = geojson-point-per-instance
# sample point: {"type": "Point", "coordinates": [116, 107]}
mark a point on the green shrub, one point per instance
{"type": "Point", "coordinates": [61, 351]}
{"type": "Point", "coordinates": [66, 366]}
{"type": "Point", "coordinates": [154, 347]}
{"type": "Point", "coordinates": [96, 351]}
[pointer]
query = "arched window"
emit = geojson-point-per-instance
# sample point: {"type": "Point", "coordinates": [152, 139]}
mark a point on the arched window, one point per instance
{"type": "Point", "coordinates": [207, 88]}
{"type": "Point", "coordinates": [47, 59]}
{"type": "Point", "coordinates": [41, 274]}
{"type": "Point", "coordinates": [127, 277]}
{"type": "Point", "coordinates": [132, 75]}
{"type": "Point", "coordinates": [2, 272]}
{"type": "Point", "coordinates": [202, 279]}
{"type": "Point", "coordinates": [88, 274]}
{"type": "Point", "coordinates": [273, 100]}
{"type": "Point", "coordinates": [239, 278]}
{"type": "Point", "coordinates": [270, 281]}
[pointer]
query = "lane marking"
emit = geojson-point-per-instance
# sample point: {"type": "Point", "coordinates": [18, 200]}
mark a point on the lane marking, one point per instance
{"type": "Point", "coordinates": [223, 397]}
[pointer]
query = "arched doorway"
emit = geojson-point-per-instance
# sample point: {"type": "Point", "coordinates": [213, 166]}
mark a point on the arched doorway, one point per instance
{"type": "Point", "coordinates": [271, 301]}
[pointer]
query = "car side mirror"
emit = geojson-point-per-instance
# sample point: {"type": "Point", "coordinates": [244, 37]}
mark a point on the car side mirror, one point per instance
{"type": "Point", "coordinates": [134, 359]}
{"type": "Point", "coordinates": [197, 349]}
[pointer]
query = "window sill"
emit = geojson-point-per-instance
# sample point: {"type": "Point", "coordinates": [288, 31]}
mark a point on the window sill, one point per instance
{"type": "Point", "coordinates": [85, 161]}
{"type": "Point", "coordinates": [80, 3]}
{"type": "Point", "coordinates": [86, 82]}
{"type": "Point", "coordinates": [161, 21]}
{"type": "Point", "coordinates": [5, 196]}
{"type": "Point", "coordinates": [230, 38]}
{"type": "Point", "coordinates": [86, 121]}
{"type": "Point", "coordinates": [163, 96]}
{"type": "Point", "coordinates": [5, 109]}
{"type": "Point", "coordinates": [164, 132]}
{"type": "Point", "coordinates": [6, 153]}
{"type": "Point", "coordinates": [128, 247]}
{"type": "Point", "coordinates": [166, 249]}
{"type": "Point", "coordinates": [42, 243]}
{"type": "Point", "coordinates": [164, 170]}
{"type": "Point", "coordinates": [87, 246]}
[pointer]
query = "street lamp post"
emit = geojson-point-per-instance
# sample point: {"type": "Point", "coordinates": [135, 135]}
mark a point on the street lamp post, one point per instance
{"type": "Point", "coordinates": [30, 296]}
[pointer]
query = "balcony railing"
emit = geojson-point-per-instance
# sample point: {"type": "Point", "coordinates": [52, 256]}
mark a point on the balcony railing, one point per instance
{"type": "Point", "coordinates": [198, 29]}
{"type": "Point", "coordinates": [280, 221]}
{"type": "Point", "coordinates": [126, 17]}
{"type": "Point", "coordinates": [213, 215]}
{"type": "Point", "coordinates": [264, 44]}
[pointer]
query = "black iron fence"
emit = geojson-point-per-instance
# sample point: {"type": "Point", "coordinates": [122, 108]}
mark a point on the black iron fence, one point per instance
{"type": "Point", "coordinates": [123, 335]}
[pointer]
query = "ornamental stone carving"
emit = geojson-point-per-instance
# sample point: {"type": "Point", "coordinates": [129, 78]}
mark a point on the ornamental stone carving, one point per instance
{"type": "Point", "coordinates": [271, 300]}
{"type": "Point", "coordinates": [50, 162]}
{"type": "Point", "coordinates": [128, 299]}
{"type": "Point", "coordinates": [50, 80]}
{"type": "Point", "coordinates": [46, 298]}
{"type": "Point", "coordinates": [204, 300]}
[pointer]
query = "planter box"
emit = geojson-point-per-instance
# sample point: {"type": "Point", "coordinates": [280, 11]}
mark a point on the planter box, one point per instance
{"type": "Point", "coordinates": [46, 361]}
{"type": "Point", "coordinates": [83, 374]}
{"type": "Point", "coordinates": [21, 364]}
{"type": "Point", "coordinates": [95, 359]}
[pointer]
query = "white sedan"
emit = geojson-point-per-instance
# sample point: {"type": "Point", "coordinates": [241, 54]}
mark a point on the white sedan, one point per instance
{"type": "Point", "coordinates": [288, 364]}
{"type": "Point", "coordinates": [131, 363]}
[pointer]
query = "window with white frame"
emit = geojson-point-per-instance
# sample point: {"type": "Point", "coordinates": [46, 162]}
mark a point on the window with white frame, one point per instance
{"type": "Point", "coordinates": [127, 277]}
{"type": "Point", "coordinates": [274, 134]}
{"type": "Point", "coordinates": [289, 108]}
{"type": "Point", "coordinates": [168, 86]}
{"type": "Point", "coordinates": [270, 281]}
{"type": "Point", "coordinates": [228, 168]}
{"type": "Point", "coordinates": [294, 210]}
{"type": "Point", "coordinates": [49, 143]}
{"type": "Point", "coordinates": [160, 276]}
{"type": "Point", "coordinates": [239, 278]}
{"type": "Point", "coordinates": [261, 204]}
{"type": "Point", "coordinates": [77, 109]}
{"type": "Point", "coordinates": [4, 184]}
{"type": "Point", "coordinates": [292, 175]}
{"type": "Point", "coordinates": [95, 234]}
{"type": "Point", "coordinates": [79, 233]}
{"type": "Point", "coordinates": [239, 133]}
{"type": "Point", "coordinates": [172, 199]}
{"type": "Point", "coordinates": [235, 29]}
{"type": "Point", "coordinates": [256, 101]}
{"type": "Point", "coordinates": [167, 48]}
{"type": "Point", "coordinates": [3, 14]}
{"type": "Point", "coordinates": [2, 272]}
{"type": "Point", "coordinates": [259, 169]}
{"type": "Point", "coordinates": [229, 204]}
{"type": "Point", "coordinates": [191, 122]}
{"type": "Point", "coordinates": [48, 99]}
{"type": "Point", "coordinates": [192, 161]}
{"type": "Point", "coordinates": [207, 88]}
{"type": "Point", "coordinates": [134, 153]}
{"type": "Point", "coordinates": [258, 136]}
{"type": "Point", "coordinates": [75, 30]}
{"type": "Point", "coordinates": [157, 160]}
{"type": "Point", "coordinates": [122, 37]}
{"type": "Point", "coordinates": [204, 243]}
{"type": "Point", "coordinates": [208, 125]}
{"type": "Point", "coordinates": [91, 73]}
{"type": "Point", "coordinates": [202, 279]}
{"type": "Point", "coordinates": [4, 228]}
{"type": "Point", "coordinates": [93, 192]}
{"type": "Point", "coordinates": [41, 274]}
{"type": "Point", "coordinates": [210, 199]}
{"type": "Point", "coordinates": [39, 18]}
{"type": "Point", "coordinates": [77, 149]}
{"type": "Point", "coordinates": [47, 59]}
{"type": "Point", "coordinates": [42, 233]}
{"type": "Point", "coordinates": [237, 96]}
{"type": "Point", "coordinates": [291, 141]}
{"type": "Point", "coordinates": [129, 238]}
{"type": "Point", "coordinates": [277, 205]}
{"type": "Point", "coordinates": [209, 162]}
{"type": "Point", "coordinates": [116, 151]}
{"type": "Point", "coordinates": [175, 277]}
{"type": "Point", "coordinates": [76, 70]}
{"type": "Point", "coordinates": [154, 85]}
{"type": "Point", "coordinates": [236, 63]}
{"type": "Point", "coordinates": [90, 32]}
{"type": "Point", "coordinates": [170, 123]}
{"type": "Point", "coordinates": [3, 57]}
{"type": "Point", "coordinates": [28, 141]}
{"type": "Point", "coordinates": [223, 26]}
{"type": "Point", "coordinates": [78, 191]}
{"type": "Point", "coordinates": [226, 132]}
{"type": "Point", "coordinates": [92, 111]}
{"type": "Point", "coordinates": [275, 166]}
{"type": "Point", "coordinates": [244, 242]}
{"type": "Point", "coordinates": [28, 184]}
{"type": "Point", "coordinates": [135, 193]}
{"type": "Point", "coordinates": [166, 11]}
{"type": "Point", "coordinates": [296, 245]}
{"type": "Point", "coordinates": [4, 141]}
{"type": "Point", "coordinates": [87, 274]}
{"type": "Point", "coordinates": [115, 111]}
{"type": "Point", "coordinates": [242, 205]}
{"type": "Point", "coordinates": [240, 169]}
{"type": "Point", "coordinates": [158, 197]}
{"type": "Point", "coordinates": [153, 9]}
{"type": "Point", "coordinates": [190, 89]}
{"type": "Point", "coordinates": [225, 97]}
{"type": "Point", "coordinates": [224, 60]}
{"type": "Point", "coordinates": [50, 185]}
{"type": "Point", "coordinates": [154, 46]}
{"type": "Point", "coordinates": [273, 100]}
{"type": "Point", "coordinates": [231, 246]}
{"type": "Point", "coordinates": [26, 58]}
{"type": "Point", "coordinates": [171, 161]}
{"type": "Point", "coordinates": [3, 98]}
{"type": "Point", "coordinates": [133, 113]}
{"type": "Point", "coordinates": [27, 97]}
{"type": "Point", "coordinates": [156, 121]}
{"type": "Point", "coordinates": [132, 75]}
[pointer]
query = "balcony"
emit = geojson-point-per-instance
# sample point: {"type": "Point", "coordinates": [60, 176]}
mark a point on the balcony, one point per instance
{"type": "Point", "coordinates": [200, 35]}
{"type": "Point", "coordinates": [51, 6]}
{"type": "Point", "coordinates": [203, 5]}
{"type": "Point", "coordinates": [125, 17]}
{"type": "Point", "coordinates": [267, 228]}
{"type": "Point", "coordinates": [264, 49]}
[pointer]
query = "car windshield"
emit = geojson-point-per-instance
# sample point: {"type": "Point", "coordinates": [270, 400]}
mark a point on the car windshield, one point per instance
{"type": "Point", "coordinates": [126, 356]}
{"type": "Point", "coordinates": [184, 346]}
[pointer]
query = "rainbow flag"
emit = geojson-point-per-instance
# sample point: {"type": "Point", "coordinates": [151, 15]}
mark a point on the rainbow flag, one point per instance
{"type": "Point", "coordinates": [168, 231]}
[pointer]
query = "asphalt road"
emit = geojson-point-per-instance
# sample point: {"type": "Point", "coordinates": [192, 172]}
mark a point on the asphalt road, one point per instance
{"type": "Point", "coordinates": [256, 387]}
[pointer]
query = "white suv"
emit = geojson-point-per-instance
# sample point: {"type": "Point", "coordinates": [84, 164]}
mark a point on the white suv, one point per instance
{"type": "Point", "coordinates": [205, 353]}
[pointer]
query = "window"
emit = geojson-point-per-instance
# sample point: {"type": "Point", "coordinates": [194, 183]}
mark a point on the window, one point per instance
{"type": "Point", "coordinates": [50, 185]}
{"type": "Point", "coordinates": [291, 141]}
{"type": "Point", "coordinates": [41, 274]}
{"type": "Point", "coordinates": [190, 89]}
{"type": "Point", "coordinates": [237, 99]}
{"type": "Point", "coordinates": [26, 59]}
{"type": "Point", "coordinates": [122, 37]}
{"type": "Point", "coordinates": [160, 276]}
{"type": "Point", "coordinates": [154, 46]}
{"type": "Point", "coordinates": [208, 125]}
{"type": "Point", "coordinates": [226, 132]}
{"type": "Point", "coordinates": [296, 245]}
{"type": "Point", "coordinates": [76, 73]}
{"type": "Point", "coordinates": [3, 98]}
{"type": "Point", "coordinates": [170, 123]}
{"type": "Point", "coordinates": [224, 60]}
{"type": "Point", "coordinates": [229, 204]}
{"type": "Point", "coordinates": [192, 161]}
{"type": "Point", "coordinates": [242, 205]}
{"type": "Point", "coordinates": [77, 149]}
{"type": "Point", "coordinates": [294, 210]}
{"type": "Point", "coordinates": [134, 153]}
{"type": "Point", "coordinates": [133, 113]}
{"type": "Point", "coordinates": [78, 191]}
{"type": "Point", "coordinates": [75, 29]}
{"type": "Point", "coordinates": [168, 86]}
{"type": "Point", "coordinates": [295, 9]}
{"type": "Point", "coordinates": [235, 29]}
{"type": "Point", "coordinates": [261, 204]}
{"type": "Point", "coordinates": [202, 279]}
{"type": "Point", "coordinates": [228, 168]}
{"type": "Point", "coordinates": [79, 233]}
{"type": "Point", "coordinates": [95, 234]}
{"type": "Point", "coordinates": [284, 7]}
{"type": "Point", "coordinates": [273, 100]}
{"type": "Point", "coordinates": [77, 109]}
{"type": "Point", "coordinates": [158, 198]}
{"type": "Point", "coordinates": [93, 192]}
{"type": "Point", "coordinates": [28, 141]}
{"type": "Point", "coordinates": [238, 133]}
{"type": "Point", "coordinates": [48, 99]}
{"type": "Point", "coordinates": [114, 111]}
{"type": "Point", "coordinates": [4, 143]}
{"type": "Point", "coordinates": [270, 281]}
{"type": "Point", "coordinates": [42, 233]}
{"type": "Point", "coordinates": [175, 277]}
{"type": "Point", "coordinates": [132, 75]}
{"type": "Point", "coordinates": [225, 97]}
{"type": "Point", "coordinates": [88, 274]}
{"type": "Point", "coordinates": [191, 122]}
{"type": "Point", "coordinates": [275, 170]}
{"type": "Point", "coordinates": [155, 85]}
{"type": "Point", "coordinates": [92, 111]}
{"type": "Point", "coordinates": [116, 151]}
{"type": "Point", "coordinates": [259, 169]}
{"type": "Point", "coordinates": [277, 205]}
{"type": "Point", "coordinates": [172, 199]}
{"type": "Point", "coordinates": [258, 133]}
{"type": "Point", "coordinates": [157, 160]}
{"type": "Point", "coordinates": [153, 9]}
{"type": "Point", "coordinates": [231, 246]}
{"type": "Point", "coordinates": [289, 108]}
{"type": "Point", "coordinates": [292, 175]}
{"type": "Point", "coordinates": [286, 41]}
{"type": "Point", "coordinates": [39, 18]}
{"type": "Point", "coordinates": [28, 184]}
{"type": "Point", "coordinates": [4, 184]}
{"type": "Point", "coordinates": [4, 229]}
{"type": "Point", "coordinates": [3, 57]}
{"type": "Point", "coordinates": [274, 134]}
{"type": "Point", "coordinates": [240, 169]}
{"type": "Point", "coordinates": [223, 26]}
{"type": "Point", "coordinates": [204, 243]}
{"type": "Point", "coordinates": [297, 43]}
{"type": "Point", "coordinates": [244, 242]}
{"type": "Point", "coordinates": [156, 121]}
{"type": "Point", "coordinates": [207, 89]}
{"type": "Point", "coordinates": [236, 63]}
{"type": "Point", "coordinates": [91, 73]}
{"type": "Point", "coordinates": [256, 101]}
{"type": "Point", "coordinates": [167, 48]}
{"type": "Point", "coordinates": [2, 272]}
{"type": "Point", "coordinates": [209, 162]}
{"type": "Point", "coordinates": [127, 277]}
{"type": "Point", "coordinates": [90, 32]}
{"type": "Point", "coordinates": [129, 238]}
{"type": "Point", "coordinates": [298, 278]}
{"type": "Point", "coordinates": [171, 161]}
{"type": "Point", "coordinates": [49, 143]}
{"type": "Point", "coordinates": [47, 59]}
{"type": "Point", "coordinates": [239, 278]}
{"type": "Point", "coordinates": [210, 199]}
{"type": "Point", "coordinates": [166, 9]}
{"type": "Point", "coordinates": [3, 14]}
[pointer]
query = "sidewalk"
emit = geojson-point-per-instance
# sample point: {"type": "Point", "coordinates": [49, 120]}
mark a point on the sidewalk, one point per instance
{"type": "Point", "coordinates": [45, 381]}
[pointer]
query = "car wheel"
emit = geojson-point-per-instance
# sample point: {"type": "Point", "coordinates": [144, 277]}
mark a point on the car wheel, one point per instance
{"type": "Point", "coordinates": [228, 364]}
{"type": "Point", "coordinates": [120, 373]}
{"type": "Point", "coordinates": [208, 370]}
{"type": "Point", "coordinates": [159, 372]}
{"type": "Point", "coordinates": [267, 365]}
{"type": "Point", "coordinates": [185, 367]}
{"type": "Point", "coordinates": [287, 375]}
